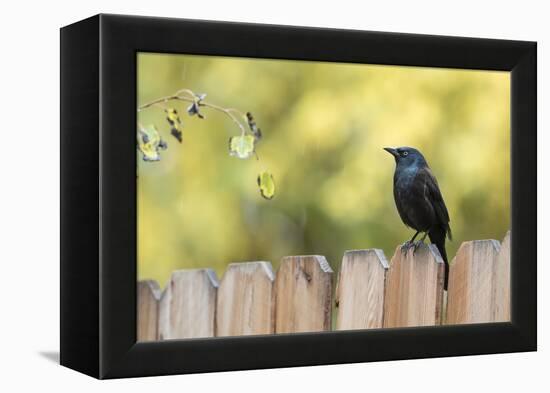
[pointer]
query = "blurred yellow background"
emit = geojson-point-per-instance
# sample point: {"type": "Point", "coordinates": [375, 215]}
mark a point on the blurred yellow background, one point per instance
{"type": "Point", "coordinates": [324, 126]}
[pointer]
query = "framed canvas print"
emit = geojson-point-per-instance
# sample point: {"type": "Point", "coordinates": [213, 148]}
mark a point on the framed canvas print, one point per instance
{"type": "Point", "coordinates": [239, 196]}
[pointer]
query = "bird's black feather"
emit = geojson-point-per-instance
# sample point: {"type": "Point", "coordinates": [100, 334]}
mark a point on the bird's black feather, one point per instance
{"type": "Point", "coordinates": [418, 199]}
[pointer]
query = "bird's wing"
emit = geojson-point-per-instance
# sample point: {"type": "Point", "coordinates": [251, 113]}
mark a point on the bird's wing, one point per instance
{"type": "Point", "coordinates": [433, 195]}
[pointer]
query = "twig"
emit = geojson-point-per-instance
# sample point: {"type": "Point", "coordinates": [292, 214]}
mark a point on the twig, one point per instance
{"type": "Point", "coordinates": [235, 115]}
{"type": "Point", "coordinates": [178, 97]}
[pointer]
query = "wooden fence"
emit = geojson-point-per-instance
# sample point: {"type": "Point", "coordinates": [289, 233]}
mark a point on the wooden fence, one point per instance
{"type": "Point", "coordinates": [370, 293]}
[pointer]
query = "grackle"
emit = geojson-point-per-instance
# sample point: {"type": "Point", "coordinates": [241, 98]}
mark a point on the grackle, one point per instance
{"type": "Point", "coordinates": [419, 201]}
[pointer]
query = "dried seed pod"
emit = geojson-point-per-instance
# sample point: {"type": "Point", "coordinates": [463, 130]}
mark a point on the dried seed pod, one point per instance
{"type": "Point", "coordinates": [253, 127]}
{"type": "Point", "coordinates": [176, 125]}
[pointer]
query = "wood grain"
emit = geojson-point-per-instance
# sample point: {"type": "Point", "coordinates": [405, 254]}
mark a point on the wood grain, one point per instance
{"type": "Point", "coordinates": [148, 294]}
{"type": "Point", "coordinates": [502, 285]}
{"type": "Point", "coordinates": [370, 294]}
{"type": "Point", "coordinates": [188, 305]}
{"type": "Point", "coordinates": [245, 300]}
{"type": "Point", "coordinates": [303, 290]}
{"type": "Point", "coordinates": [472, 283]}
{"type": "Point", "coordinates": [361, 289]}
{"type": "Point", "coordinates": [414, 288]}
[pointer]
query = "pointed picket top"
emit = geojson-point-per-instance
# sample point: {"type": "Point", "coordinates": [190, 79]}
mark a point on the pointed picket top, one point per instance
{"type": "Point", "coordinates": [472, 283]}
{"type": "Point", "coordinates": [414, 288]}
{"type": "Point", "coordinates": [245, 300]}
{"type": "Point", "coordinates": [188, 305]}
{"type": "Point", "coordinates": [370, 293]}
{"type": "Point", "coordinates": [148, 296]}
{"type": "Point", "coordinates": [303, 292]}
{"type": "Point", "coordinates": [360, 290]}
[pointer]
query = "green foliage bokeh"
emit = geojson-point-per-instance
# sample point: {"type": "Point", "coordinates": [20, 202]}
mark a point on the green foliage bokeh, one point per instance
{"type": "Point", "coordinates": [324, 126]}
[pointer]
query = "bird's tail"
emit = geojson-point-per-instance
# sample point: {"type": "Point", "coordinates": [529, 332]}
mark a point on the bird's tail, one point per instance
{"type": "Point", "coordinates": [438, 238]}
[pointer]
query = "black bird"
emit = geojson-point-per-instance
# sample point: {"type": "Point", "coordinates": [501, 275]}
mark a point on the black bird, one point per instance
{"type": "Point", "coordinates": [419, 201]}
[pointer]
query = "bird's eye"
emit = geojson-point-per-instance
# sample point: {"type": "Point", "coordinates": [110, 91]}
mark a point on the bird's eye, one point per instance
{"type": "Point", "coordinates": [404, 154]}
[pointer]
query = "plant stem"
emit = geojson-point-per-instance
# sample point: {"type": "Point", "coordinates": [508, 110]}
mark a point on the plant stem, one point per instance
{"type": "Point", "coordinates": [178, 97]}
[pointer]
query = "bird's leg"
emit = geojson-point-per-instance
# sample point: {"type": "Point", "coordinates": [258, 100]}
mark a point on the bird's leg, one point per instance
{"type": "Point", "coordinates": [405, 247]}
{"type": "Point", "coordinates": [419, 243]}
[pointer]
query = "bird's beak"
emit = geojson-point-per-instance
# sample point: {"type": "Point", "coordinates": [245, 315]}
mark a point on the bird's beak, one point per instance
{"type": "Point", "coordinates": [392, 151]}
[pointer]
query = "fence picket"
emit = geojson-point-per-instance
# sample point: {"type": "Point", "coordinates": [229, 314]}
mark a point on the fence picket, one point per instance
{"type": "Point", "coordinates": [360, 290]}
{"type": "Point", "coordinates": [370, 293]}
{"type": "Point", "coordinates": [188, 304]}
{"type": "Point", "coordinates": [502, 287]}
{"type": "Point", "coordinates": [147, 310]}
{"type": "Point", "coordinates": [303, 289]}
{"type": "Point", "coordinates": [471, 297]}
{"type": "Point", "coordinates": [245, 300]}
{"type": "Point", "coordinates": [414, 288]}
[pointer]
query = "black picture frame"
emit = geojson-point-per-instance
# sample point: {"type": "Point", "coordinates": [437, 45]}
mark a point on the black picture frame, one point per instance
{"type": "Point", "coordinates": [98, 196]}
